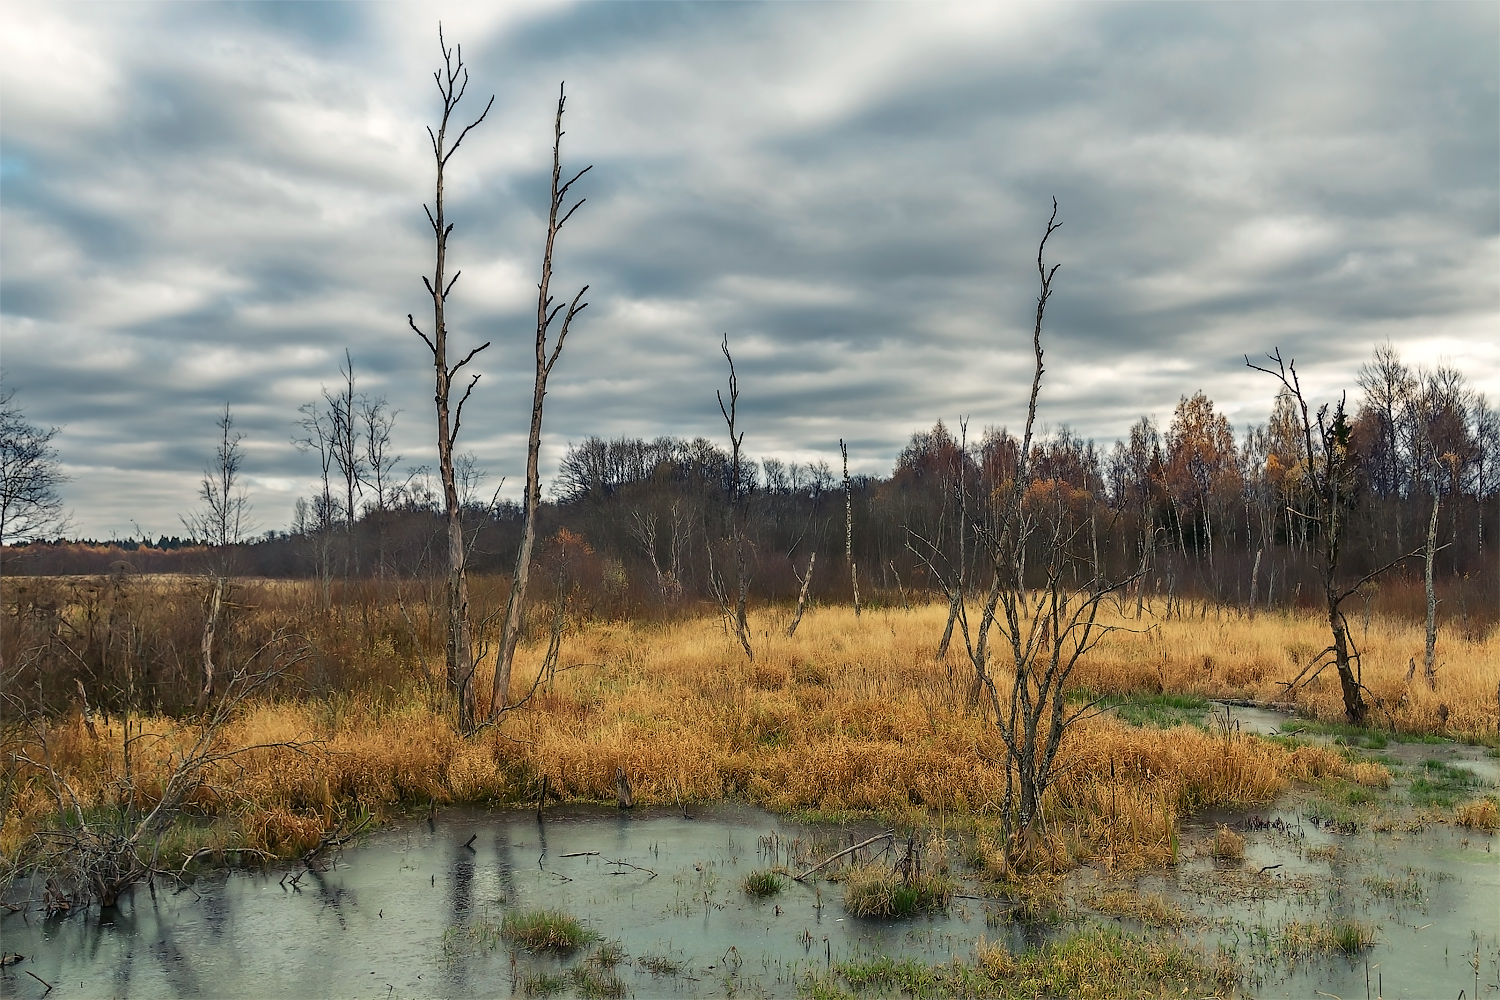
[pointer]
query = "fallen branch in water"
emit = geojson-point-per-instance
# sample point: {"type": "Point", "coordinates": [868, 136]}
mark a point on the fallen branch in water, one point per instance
{"type": "Point", "coordinates": [848, 850]}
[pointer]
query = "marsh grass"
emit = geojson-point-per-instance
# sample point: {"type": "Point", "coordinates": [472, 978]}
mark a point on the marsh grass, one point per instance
{"type": "Point", "coordinates": [660, 965]}
{"type": "Point", "coordinates": [1227, 845]}
{"type": "Point", "coordinates": [1163, 711]}
{"type": "Point", "coordinates": [1441, 785]}
{"type": "Point", "coordinates": [1302, 939]}
{"type": "Point", "coordinates": [545, 930]}
{"type": "Point", "coordinates": [763, 883]}
{"type": "Point", "coordinates": [1152, 909]}
{"type": "Point", "coordinates": [1480, 814]}
{"type": "Point", "coordinates": [1091, 964]}
{"type": "Point", "coordinates": [877, 891]}
{"type": "Point", "coordinates": [850, 717]}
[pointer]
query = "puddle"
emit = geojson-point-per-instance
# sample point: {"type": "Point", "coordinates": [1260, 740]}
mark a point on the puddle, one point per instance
{"type": "Point", "coordinates": [413, 912]}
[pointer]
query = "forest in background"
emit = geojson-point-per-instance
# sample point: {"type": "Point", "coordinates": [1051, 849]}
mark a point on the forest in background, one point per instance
{"type": "Point", "coordinates": [637, 527]}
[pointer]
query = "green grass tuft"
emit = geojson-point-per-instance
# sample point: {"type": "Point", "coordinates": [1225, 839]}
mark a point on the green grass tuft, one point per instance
{"type": "Point", "coordinates": [545, 930]}
{"type": "Point", "coordinates": [763, 883]}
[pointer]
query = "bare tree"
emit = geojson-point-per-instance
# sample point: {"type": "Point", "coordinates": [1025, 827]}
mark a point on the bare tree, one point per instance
{"type": "Point", "coordinates": [1328, 474]}
{"type": "Point", "coordinates": [1048, 629]}
{"type": "Point", "coordinates": [849, 528]}
{"type": "Point", "coordinates": [452, 81]}
{"type": "Point", "coordinates": [736, 512]}
{"type": "Point", "coordinates": [30, 504]}
{"type": "Point", "coordinates": [343, 413]}
{"type": "Point", "coordinates": [221, 522]}
{"type": "Point", "coordinates": [547, 312]}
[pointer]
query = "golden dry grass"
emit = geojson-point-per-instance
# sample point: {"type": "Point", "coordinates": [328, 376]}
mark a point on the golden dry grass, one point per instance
{"type": "Point", "coordinates": [851, 714]}
{"type": "Point", "coordinates": [1229, 656]}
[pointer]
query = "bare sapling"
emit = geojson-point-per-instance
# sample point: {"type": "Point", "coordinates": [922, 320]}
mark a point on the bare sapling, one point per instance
{"type": "Point", "coordinates": [547, 312]}
{"type": "Point", "coordinates": [452, 81]}
{"type": "Point", "coordinates": [736, 612]}
{"type": "Point", "coordinates": [1048, 629]}
{"type": "Point", "coordinates": [1328, 481]}
{"type": "Point", "coordinates": [220, 523]}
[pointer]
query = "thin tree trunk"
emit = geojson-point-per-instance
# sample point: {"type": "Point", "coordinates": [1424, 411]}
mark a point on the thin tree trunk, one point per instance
{"type": "Point", "coordinates": [791, 629]}
{"type": "Point", "coordinates": [1429, 666]}
{"type": "Point", "coordinates": [452, 79]}
{"type": "Point", "coordinates": [546, 311]}
{"type": "Point", "coordinates": [849, 528]}
{"type": "Point", "coordinates": [210, 628]}
{"type": "Point", "coordinates": [1254, 575]}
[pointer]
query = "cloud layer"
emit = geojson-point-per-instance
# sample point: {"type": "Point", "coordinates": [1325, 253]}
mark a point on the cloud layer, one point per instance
{"type": "Point", "coordinates": [209, 203]}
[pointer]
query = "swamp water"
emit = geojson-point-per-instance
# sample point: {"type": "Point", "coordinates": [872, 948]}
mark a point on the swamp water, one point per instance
{"type": "Point", "coordinates": [415, 910]}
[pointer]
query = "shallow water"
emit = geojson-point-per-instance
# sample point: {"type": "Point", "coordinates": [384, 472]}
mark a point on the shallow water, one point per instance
{"type": "Point", "coordinates": [405, 914]}
{"type": "Point", "coordinates": [411, 911]}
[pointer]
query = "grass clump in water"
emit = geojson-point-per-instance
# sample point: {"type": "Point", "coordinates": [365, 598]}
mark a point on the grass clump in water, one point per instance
{"type": "Point", "coordinates": [660, 965]}
{"type": "Point", "coordinates": [1227, 845]}
{"type": "Point", "coordinates": [1152, 909]}
{"type": "Point", "coordinates": [1092, 964]}
{"type": "Point", "coordinates": [1441, 784]}
{"type": "Point", "coordinates": [876, 891]}
{"type": "Point", "coordinates": [1303, 939]}
{"type": "Point", "coordinates": [763, 883]}
{"type": "Point", "coordinates": [545, 930]}
{"type": "Point", "coordinates": [1481, 814]}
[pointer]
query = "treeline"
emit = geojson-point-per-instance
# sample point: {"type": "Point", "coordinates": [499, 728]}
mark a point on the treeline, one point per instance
{"type": "Point", "coordinates": [643, 527]}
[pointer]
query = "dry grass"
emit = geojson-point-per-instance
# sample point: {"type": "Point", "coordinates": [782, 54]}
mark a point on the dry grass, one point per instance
{"type": "Point", "coordinates": [1227, 845]}
{"type": "Point", "coordinates": [1480, 814]}
{"type": "Point", "coordinates": [852, 714]}
{"type": "Point", "coordinates": [1228, 655]}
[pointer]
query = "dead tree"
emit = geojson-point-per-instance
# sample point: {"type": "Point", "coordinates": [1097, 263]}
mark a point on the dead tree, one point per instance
{"type": "Point", "coordinates": [849, 528]}
{"type": "Point", "coordinates": [736, 513]}
{"type": "Point", "coordinates": [220, 523]}
{"type": "Point", "coordinates": [452, 81]}
{"type": "Point", "coordinates": [547, 312]}
{"type": "Point", "coordinates": [806, 582]}
{"type": "Point", "coordinates": [1048, 629]}
{"type": "Point", "coordinates": [1328, 475]}
{"type": "Point", "coordinates": [1429, 553]}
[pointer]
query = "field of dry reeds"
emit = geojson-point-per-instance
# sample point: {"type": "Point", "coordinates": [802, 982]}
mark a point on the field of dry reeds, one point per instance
{"type": "Point", "coordinates": [853, 714]}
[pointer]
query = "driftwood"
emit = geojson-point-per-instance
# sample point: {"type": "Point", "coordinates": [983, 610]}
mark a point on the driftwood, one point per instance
{"type": "Point", "coordinates": [889, 834]}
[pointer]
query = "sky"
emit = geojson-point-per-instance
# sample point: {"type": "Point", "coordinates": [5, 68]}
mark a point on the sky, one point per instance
{"type": "Point", "coordinates": [208, 204]}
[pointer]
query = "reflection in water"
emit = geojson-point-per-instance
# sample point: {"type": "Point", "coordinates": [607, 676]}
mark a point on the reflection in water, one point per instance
{"type": "Point", "coordinates": [378, 924]}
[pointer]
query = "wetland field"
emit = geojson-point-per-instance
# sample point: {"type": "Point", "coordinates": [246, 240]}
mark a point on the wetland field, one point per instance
{"type": "Point", "coordinates": [823, 821]}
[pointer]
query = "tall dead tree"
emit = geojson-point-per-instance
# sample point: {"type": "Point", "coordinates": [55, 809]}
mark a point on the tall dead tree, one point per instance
{"type": "Point", "coordinates": [736, 512]}
{"type": "Point", "coordinates": [1328, 475]}
{"type": "Point", "coordinates": [1048, 628]}
{"type": "Point", "coordinates": [547, 311]}
{"type": "Point", "coordinates": [452, 81]}
{"type": "Point", "coordinates": [849, 528]}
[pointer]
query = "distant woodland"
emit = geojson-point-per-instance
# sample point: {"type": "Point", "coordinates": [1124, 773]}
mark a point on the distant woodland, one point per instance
{"type": "Point", "coordinates": [637, 527]}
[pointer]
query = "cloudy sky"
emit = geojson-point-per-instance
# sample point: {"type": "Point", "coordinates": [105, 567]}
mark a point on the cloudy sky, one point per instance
{"type": "Point", "coordinates": [209, 203]}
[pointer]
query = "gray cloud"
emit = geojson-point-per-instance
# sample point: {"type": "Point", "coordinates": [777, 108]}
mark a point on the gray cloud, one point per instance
{"type": "Point", "coordinates": [209, 203]}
